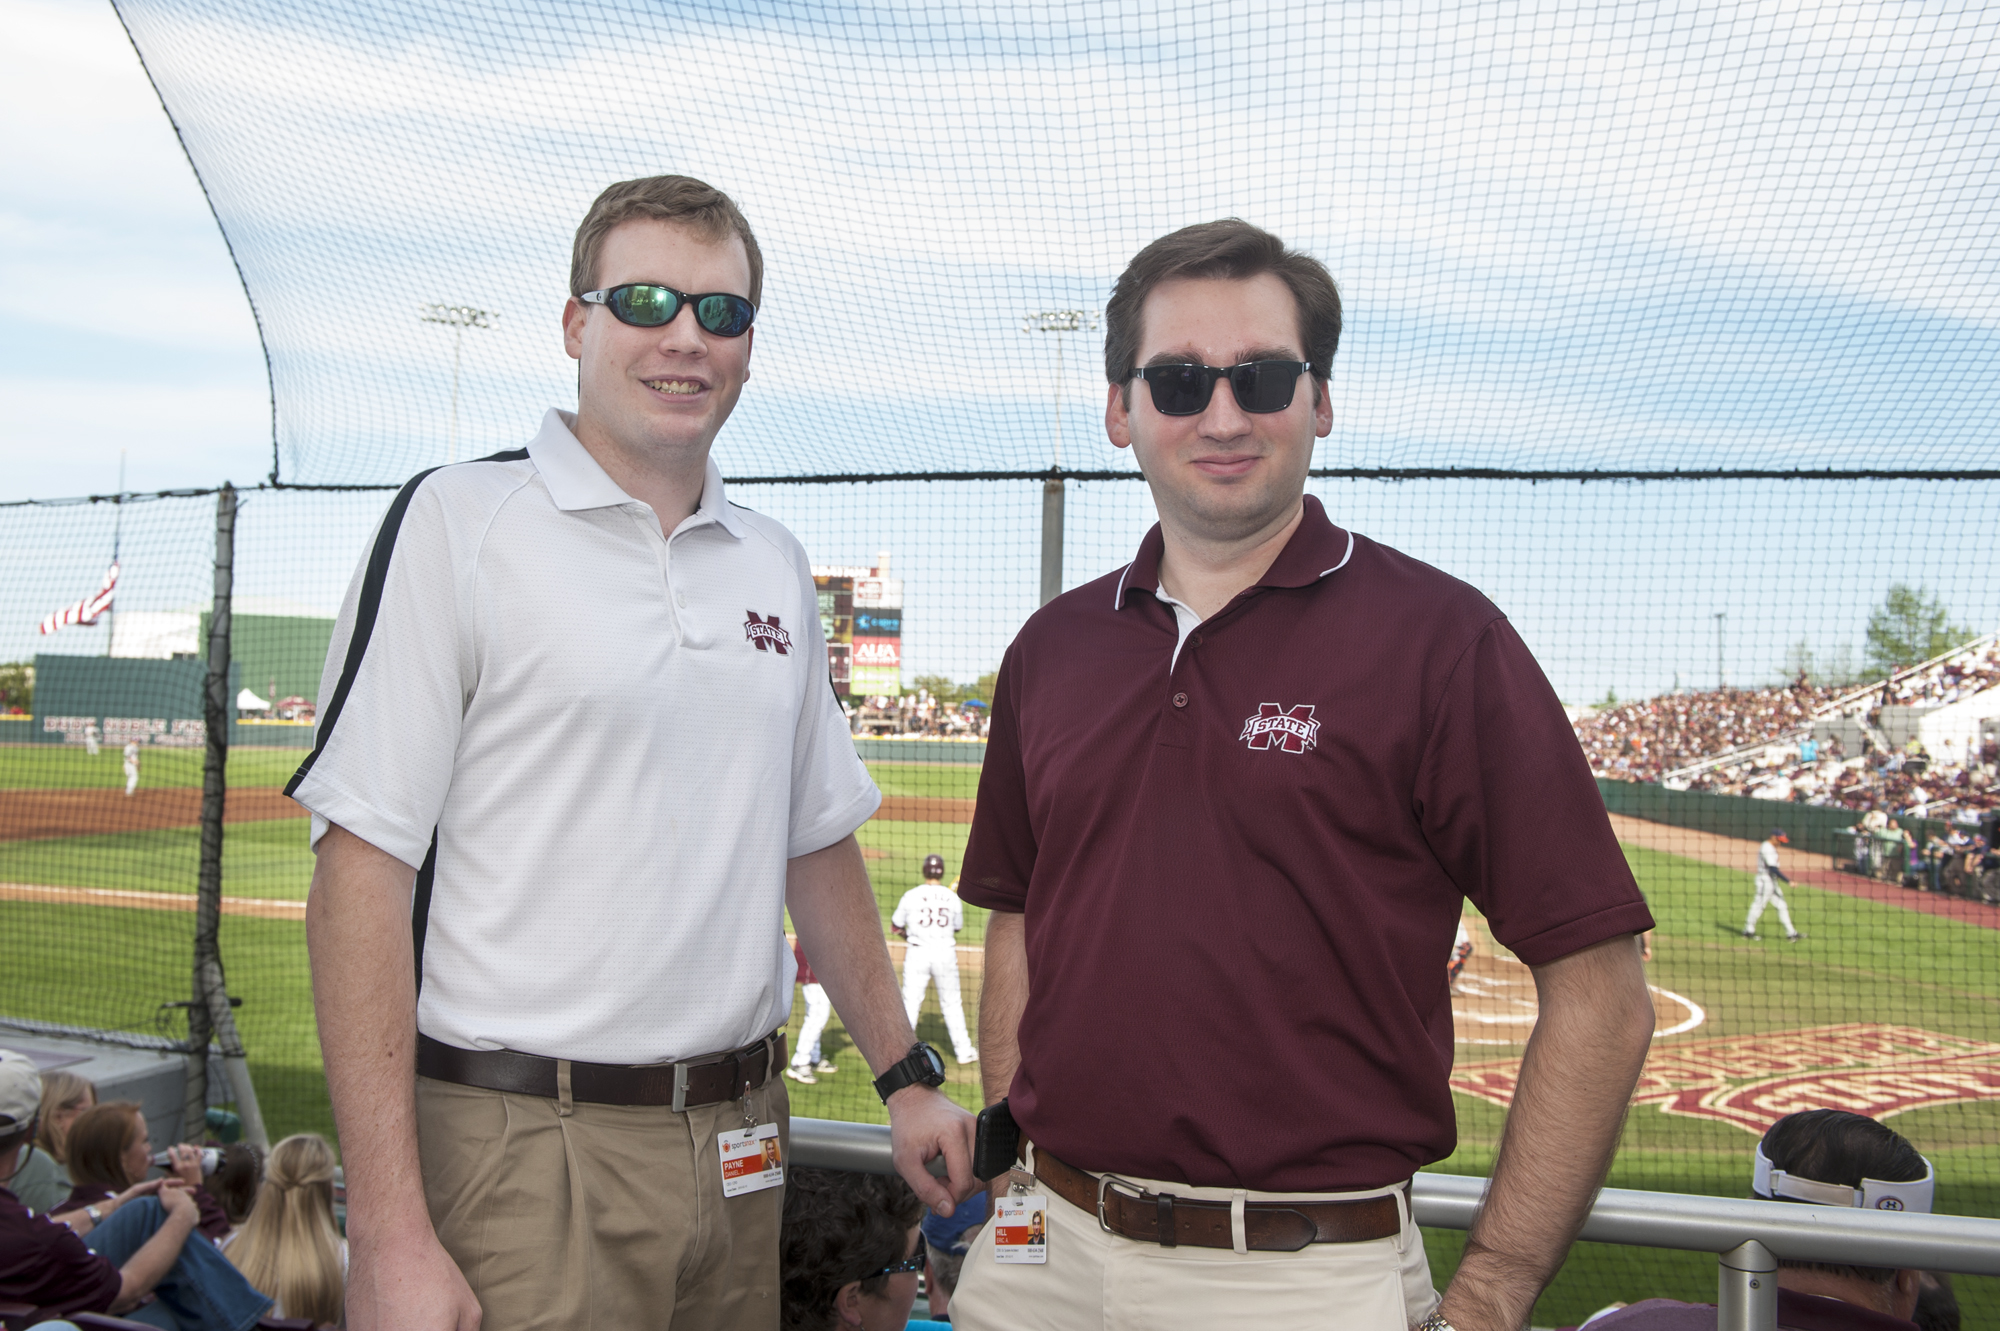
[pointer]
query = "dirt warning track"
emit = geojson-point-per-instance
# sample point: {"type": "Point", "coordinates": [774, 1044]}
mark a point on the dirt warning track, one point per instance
{"type": "Point", "coordinates": [38, 815]}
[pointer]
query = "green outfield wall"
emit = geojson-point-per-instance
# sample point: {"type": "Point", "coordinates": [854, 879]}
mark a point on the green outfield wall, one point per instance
{"type": "Point", "coordinates": [1810, 827]}
{"type": "Point", "coordinates": [155, 702]}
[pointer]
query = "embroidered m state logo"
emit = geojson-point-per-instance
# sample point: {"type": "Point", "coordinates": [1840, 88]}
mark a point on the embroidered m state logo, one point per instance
{"type": "Point", "coordinates": [1279, 727]}
{"type": "Point", "coordinates": [766, 635]}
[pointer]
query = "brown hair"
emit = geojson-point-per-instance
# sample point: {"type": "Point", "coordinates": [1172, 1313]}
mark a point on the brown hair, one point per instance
{"type": "Point", "coordinates": [702, 208]}
{"type": "Point", "coordinates": [60, 1090]}
{"type": "Point", "coordinates": [1835, 1146]}
{"type": "Point", "coordinates": [1231, 248]}
{"type": "Point", "coordinates": [838, 1227]}
{"type": "Point", "coordinates": [98, 1141]}
{"type": "Point", "coordinates": [289, 1248]}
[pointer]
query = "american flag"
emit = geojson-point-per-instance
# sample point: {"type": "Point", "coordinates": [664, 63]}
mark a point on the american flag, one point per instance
{"type": "Point", "coordinates": [89, 608]}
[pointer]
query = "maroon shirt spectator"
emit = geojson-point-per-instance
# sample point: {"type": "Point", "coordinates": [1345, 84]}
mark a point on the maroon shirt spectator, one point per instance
{"type": "Point", "coordinates": [46, 1265]}
{"type": "Point", "coordinates": [1796, 1312]}
{"type": "Point", "coordinates": [1246, 865]}
{"type": "Point", "coordinates": [214, 1222]}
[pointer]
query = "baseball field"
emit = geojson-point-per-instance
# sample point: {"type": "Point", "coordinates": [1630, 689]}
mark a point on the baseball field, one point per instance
{"type": "Point", "coordinates": [1890, 1005]}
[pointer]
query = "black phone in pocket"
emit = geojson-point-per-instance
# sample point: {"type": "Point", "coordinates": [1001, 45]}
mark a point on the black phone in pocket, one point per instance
{"type": "Point", "coordinates": [998, 1143]}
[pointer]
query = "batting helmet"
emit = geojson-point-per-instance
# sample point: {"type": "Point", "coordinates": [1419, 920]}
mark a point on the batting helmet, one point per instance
{"type": "Point", "coordinates": [933, 866]}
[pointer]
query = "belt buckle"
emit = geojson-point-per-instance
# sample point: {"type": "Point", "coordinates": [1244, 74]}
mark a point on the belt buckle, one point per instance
{"type": "Point", "coordinates": [1109, 1180]}
{"type": "Point", "coordinates": [680, 1088]}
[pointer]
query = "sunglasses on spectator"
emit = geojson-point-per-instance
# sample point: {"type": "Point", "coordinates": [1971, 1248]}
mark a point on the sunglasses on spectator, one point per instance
{"type": "Point", "coordinates": [1261, 386]}
{"type": "Point", "coordinates": [914, 1262]}
{"type": "Point", "coordinates": [646, 305]}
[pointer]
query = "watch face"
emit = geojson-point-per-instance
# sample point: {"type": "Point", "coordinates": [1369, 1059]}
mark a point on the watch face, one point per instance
{"type": "Point", "coordinates": [936, 1061]}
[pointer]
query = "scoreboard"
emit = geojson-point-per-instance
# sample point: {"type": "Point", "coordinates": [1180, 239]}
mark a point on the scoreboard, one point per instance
{"type": "Point", "coordinates": [861, 614]}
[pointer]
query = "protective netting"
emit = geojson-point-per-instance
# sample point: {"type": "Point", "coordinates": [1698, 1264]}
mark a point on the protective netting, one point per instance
{"type": "Point", "coordinates": [1623, 240]}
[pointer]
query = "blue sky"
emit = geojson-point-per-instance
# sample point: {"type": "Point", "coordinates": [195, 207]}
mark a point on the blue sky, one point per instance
{"type": "Point", "coordinates": [1756, 234]}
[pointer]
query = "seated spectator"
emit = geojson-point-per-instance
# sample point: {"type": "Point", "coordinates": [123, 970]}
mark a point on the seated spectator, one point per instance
{"type": "Point", "coordinates": [235, 1184]}
{"type": "Point", "coordinates": [129, 1255]}
{"type": "Point", "coordinates": [946, 1241]}
{"type": "Point", "coordinates": [290, 1247]}
{"type": "Point", "coordinates": [110, 1150]}
{"type": "Point", "coordinates": [1822, 1157]}
{"type": "Point", "coordinates": [40, 1179]}
{"type": "Point", "coordinates": [849, 1252]}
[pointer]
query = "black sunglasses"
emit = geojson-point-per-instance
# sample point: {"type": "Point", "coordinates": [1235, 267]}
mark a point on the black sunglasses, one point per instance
{"type": "Point", "coordinates": [1261, 386]}
{"type": "Point", "coordinates": [914, 1262]}
{"type": "Point", "coordinates": [645, 305]}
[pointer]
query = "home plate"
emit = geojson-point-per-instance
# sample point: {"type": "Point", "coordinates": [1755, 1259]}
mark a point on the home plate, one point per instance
{"type": "Point", "coordinates": [1493, 1003]}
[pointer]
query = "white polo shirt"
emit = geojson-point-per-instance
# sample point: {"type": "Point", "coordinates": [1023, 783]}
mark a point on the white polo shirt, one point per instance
{"type": "Point", "coordinates": [616, 739]}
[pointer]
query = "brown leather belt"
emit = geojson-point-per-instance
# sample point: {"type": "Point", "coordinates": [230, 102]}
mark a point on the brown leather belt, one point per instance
{"type": "Point", "coordinates": [1163, 1218]}
{"type": "Point", "coordinates": [690, 1084]}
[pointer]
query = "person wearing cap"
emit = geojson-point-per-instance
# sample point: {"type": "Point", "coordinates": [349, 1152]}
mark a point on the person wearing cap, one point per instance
{"type": "Point", "coordinates": [129, 1254]}
{"type": "Point", "coordinates": [1822, 1157]}
{"type": "Point", "coordinates": [928, 919]}
{"type": "Point", "coordinates": [808, 1060]}
{"type": "Point", "coordinates": [1768, 893]}
{"type": "Point", "coordinates": [947, 1238]}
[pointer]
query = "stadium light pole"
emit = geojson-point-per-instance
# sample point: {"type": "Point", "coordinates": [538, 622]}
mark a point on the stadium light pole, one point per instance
{"type": "Point", "coordinates": [458, 318]}
{"type": "Point", "coordinates": [1721, 677]}
{"type": "Point", "coordinates": [1057, 322]}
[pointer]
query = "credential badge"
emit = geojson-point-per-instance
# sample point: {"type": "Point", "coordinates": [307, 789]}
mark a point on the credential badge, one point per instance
{"type": "Point", "coordinates": [1278, 727]}
{"type": "Point", "coordinates": [765, 634]}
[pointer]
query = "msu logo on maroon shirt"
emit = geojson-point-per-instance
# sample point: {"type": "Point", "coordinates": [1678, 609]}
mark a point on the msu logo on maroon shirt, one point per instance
{"type": "Point", "coordinates": [765, 634]}
{"type": "Point", "coordinates": [1277, 727]}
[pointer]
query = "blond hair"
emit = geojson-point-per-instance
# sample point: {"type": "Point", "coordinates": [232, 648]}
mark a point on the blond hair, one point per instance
{"type": "Point", "coordinates": [60, 1091]}
{"type": "Point", "coordinates": [289, 1248]}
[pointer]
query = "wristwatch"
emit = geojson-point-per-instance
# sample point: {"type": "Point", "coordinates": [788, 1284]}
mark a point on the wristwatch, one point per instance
{"type": "Point", "coordinates": [922, 1064]}
{"type": "Point", "coordinates": [96, 1216]}
{"type": "Point", "coordinates": [1435, 1322]}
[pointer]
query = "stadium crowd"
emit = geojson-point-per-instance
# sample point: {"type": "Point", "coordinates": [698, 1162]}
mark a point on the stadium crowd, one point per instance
{"type": "Point", "coordinates": [1647, 740]}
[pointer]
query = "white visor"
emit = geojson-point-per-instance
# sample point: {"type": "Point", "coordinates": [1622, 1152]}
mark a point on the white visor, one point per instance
{"type": "Point", "coordinates": [1874, 1194]}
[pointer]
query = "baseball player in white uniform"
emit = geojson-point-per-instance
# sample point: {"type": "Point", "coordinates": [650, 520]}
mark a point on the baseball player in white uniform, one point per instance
{"type": "Point", "coordinates": [90, 739]}
{"type": "Point", "coordinates": [808, 1059]}
{"type": "Point", "coordinates": [1769, 875]}
{"type": "Point", "coordinates": [929, 917]}
{"type": "Point", "coordinates": [131, 766]}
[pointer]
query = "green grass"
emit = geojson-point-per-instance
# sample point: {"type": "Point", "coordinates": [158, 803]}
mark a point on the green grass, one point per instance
{"type": "Point", "coordinates": [1863, 961]}
{"type": "Point", "coordinates": [60, 767]}
{"type": "Point", "coordinates": [261, 859]}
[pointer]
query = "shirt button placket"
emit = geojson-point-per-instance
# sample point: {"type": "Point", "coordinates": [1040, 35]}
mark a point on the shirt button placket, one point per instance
{"type": "Point", "coordinates": [1180, 700]}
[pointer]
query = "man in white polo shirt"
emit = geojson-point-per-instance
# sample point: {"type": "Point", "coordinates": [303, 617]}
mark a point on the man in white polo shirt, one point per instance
{"type": "Point", "coordinates": [579, 754]}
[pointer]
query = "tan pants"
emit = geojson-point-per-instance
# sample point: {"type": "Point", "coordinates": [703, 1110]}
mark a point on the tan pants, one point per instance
{"type": "Point", "coordinates": [608, 1218]}
{"type": "Point", "coordinates": [1097, 1279]}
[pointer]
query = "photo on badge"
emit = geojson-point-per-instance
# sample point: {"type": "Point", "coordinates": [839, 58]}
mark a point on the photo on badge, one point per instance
{"type": "Point", "coordinates": [751, 1159]}
{"type": "Point", "coordinates": [1021, 1231]}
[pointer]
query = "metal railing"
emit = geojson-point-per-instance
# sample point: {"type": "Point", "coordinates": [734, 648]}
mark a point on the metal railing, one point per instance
{"type": "Point", "coordinates": [1747, 1236]}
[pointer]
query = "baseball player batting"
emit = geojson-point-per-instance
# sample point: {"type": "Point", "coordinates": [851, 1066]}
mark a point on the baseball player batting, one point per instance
{"type": "Point", "coordinates": [929, 917]}
{"type": "Point", "coordinates": [1769, 875]}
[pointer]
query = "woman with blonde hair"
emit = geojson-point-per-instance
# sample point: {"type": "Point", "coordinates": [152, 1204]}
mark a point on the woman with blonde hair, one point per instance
{"type": "Point", "coordinates": [289, 1248]}
{"type": "Point", "coordinates": [41, 1180]}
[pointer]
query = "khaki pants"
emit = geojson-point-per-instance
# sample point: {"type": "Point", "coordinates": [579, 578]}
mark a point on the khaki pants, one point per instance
{"type": "Point", "coordinates": [1096, 1279]}
{"type": "Point", "coordinates": [607, 1218]}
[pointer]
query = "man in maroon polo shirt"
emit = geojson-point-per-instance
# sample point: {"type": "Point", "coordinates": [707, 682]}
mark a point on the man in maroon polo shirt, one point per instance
{"type": "Point", "coordinates": [1234, 795]}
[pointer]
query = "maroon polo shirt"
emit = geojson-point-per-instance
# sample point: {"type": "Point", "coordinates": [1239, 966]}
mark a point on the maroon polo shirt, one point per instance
{"type": "Point", "coordinates": [1241, 873]}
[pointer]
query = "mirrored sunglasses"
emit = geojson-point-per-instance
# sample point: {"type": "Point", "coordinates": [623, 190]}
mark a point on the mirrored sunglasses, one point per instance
{"type": "Point", "coordinates": [645, 305]}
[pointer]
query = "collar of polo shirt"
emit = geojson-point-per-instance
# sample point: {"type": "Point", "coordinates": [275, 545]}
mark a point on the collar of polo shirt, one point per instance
{"type": "Point", "coordinates": [1316, 549]}
{"type": "Point", "coordinates": [576, 482]}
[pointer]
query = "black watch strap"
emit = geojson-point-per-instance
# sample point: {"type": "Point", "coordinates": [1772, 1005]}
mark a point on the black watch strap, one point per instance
{"type": "Point", "coordinates": [922, 1065]}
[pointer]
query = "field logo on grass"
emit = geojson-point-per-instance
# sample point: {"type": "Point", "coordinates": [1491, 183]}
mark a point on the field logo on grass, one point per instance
{"type": "Point", "coordinates": [1752, 1081]}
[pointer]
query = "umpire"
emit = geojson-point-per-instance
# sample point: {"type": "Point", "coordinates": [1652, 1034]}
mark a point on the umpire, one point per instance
{"type": "Point", "coordinates": [1234, 795]}
{"type": "Point", "coordinates": [578, 755]}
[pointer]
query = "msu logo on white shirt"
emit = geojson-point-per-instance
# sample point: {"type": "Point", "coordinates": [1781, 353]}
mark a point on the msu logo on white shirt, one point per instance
{"type": "Point", "coordinates": [765, 634]}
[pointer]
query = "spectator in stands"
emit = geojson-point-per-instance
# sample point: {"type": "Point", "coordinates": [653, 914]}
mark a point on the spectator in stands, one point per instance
{"type": "Point", "coordinates": [41, 1180]}
{"type": "Point", "coordinates": [236, 1182]}
{"type": "Point", "coordinates": [849, 1252]}
{"type": "Point", "coordinates": [946, 1240]}
{"type": "Point", "coordinates": [290, 1248]}
{"type": "Point", "coordinates": [110, 1257]}
{"type": "Point", "coordinates": [1822, 1157]}
{"type": "Point", "coordinates": [111, 1149]}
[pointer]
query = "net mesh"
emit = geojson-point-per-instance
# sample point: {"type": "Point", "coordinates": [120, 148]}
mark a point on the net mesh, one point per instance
{"type": "Point", "coordinates": [1736, 242]}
